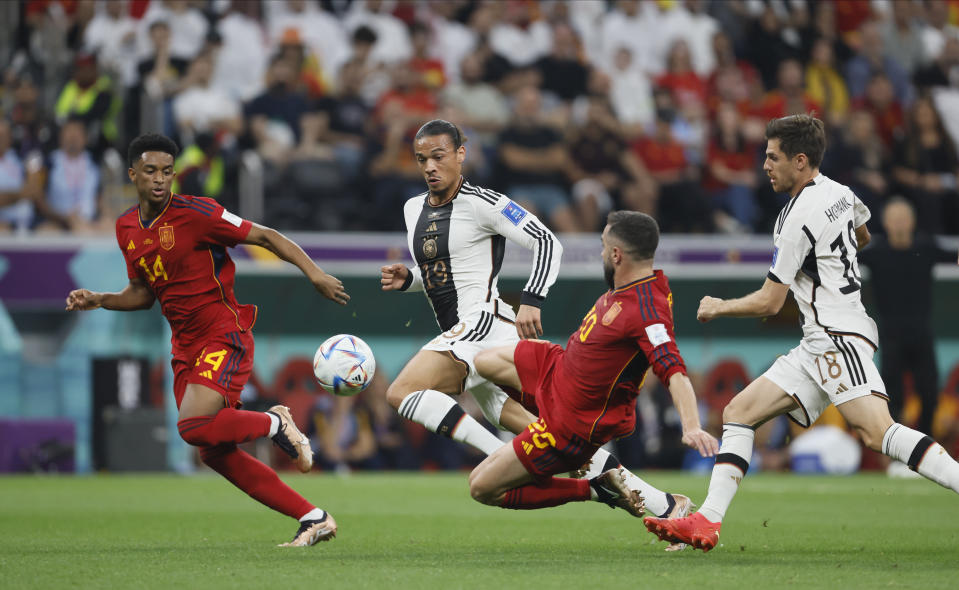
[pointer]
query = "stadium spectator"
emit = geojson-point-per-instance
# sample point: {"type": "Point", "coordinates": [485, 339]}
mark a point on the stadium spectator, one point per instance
{"type": "Point", "coordinates": [631, 94]}
{"type": "Point", "coordinates": [429, 68]}
{"type": "Point", "coordinates": [520, 34]}
{"type": "Point", "coordinates": [285, 135]}
{"type": "Point", "coordinates": [89, 96]}
{"type": "Point", "coordinates": [937, 28]}
{"type": "Point", "coordinates": [112, 36]}
{"type": "Point", "coordinates": [453, 40]}
{"type": "Point", "coordinates": [392, 35]}
{"type": "Point", "coordinates": [887, 112]}
{"type": "Point", "coordinates": [16, 204]}
{"type": "Point", "coordinates": [859, 160]}
{"type": "Point", "coordinates": [310, 76]}
{"type": "Point", "coordinates": [73, 191]}
{"type": "Point", "coordinates": [943, 71]}
{"type": "Point", "coordinates": [732, 176]}
{"type": "Point", "coordinates": [900, 264]}
{"type": "Point", "coordinates": [925, 168]}
{"type": "Point", "coordinates": [201, 169]}
{"type": "Point", "coordinates": [200, 107]}
{"type": "Point", "coordinates": [687, 87]}
{"type": "Point", "coordinates": [681, 205]}
{"type": "Point", "coordinates": [532, 160]}
{"type": "Point", "coordinates": [871, 60]}
{"type": "Point", "coordinates": [691, 22]}
{"type": "Point", "coordinates": [320, 31]}
{"type": "Point", "coordinates": [343, 125]}
{"type": "Point", "coordinates": [602, 168]}
{"type": "Point", "coordinates": [825, 85]}
{"type": "Point", "coordinates": [902, 35]}
{"type": "Point", "coordinates": [188, 27]}
{"type": "Point", "coordinates": [628, 25]}
{"type": "Point", "coordinates": [789, 97]}
{"type": "Point", "coordinates": [563, 72]}
{"type": "Point", "coordinates": [768, 45]}
{"type": "Point", "coordinates": [481, 105]}
{"type": "Point", "coordinates": [242, 61]}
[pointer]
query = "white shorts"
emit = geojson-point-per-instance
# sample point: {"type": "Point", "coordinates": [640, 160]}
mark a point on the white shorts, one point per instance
{"type": "Point", "coordinates": [477, 332]}
{"type": "Point", "coordinates": [826, 369]}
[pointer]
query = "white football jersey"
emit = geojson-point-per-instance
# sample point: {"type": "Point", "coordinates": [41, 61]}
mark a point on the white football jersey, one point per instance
{"type": "Point", "coordinates": [815, 254]}
{"type": "Point", "coordinates": [459, 246]}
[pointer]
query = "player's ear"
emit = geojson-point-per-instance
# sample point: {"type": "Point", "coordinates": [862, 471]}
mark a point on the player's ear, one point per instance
{"type": "Point", "coordinates": [461, 154]}
{"type": "Point", "coordinates": [131, 173]}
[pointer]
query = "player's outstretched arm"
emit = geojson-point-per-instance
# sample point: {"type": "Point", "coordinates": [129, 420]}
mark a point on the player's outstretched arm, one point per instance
{"type": "Point", "coordinates": [286, 249]}
{"type": "Point", "coordinates": [684, 398]}
{"type": "Point", "coordinates": [765, 302]}
{"type": "Point", "coordinates": [136, 295]}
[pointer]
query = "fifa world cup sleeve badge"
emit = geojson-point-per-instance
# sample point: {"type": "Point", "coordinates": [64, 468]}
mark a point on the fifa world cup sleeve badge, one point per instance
{"type": "Point", "coordinates": [166, 236]}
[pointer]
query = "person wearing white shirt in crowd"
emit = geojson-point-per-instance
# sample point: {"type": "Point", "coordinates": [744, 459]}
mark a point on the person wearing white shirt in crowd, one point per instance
{"type": "Point", "coordinates": [202, 107]}
{"type": "Point", "coordinates": [452, 41]}
{"type": "Point", "coordinates": [630, 24]}
{"type": "Point", "coordinates": [16, 209]}
{"type": "Point", "coordinates": [188, 27]}
{"type": "Point", "coordinates": [518, 37]}
{"type": "Point", "coordinates": [112, 35]}
{"type": "Point", "coordinates": [322, 32]}
{"type": "Point", "coordinates": [631, 94]}
{"type": "Point", "coordinates": [392, 36]}
{"type": "Point", "coordinates": [241, 61]}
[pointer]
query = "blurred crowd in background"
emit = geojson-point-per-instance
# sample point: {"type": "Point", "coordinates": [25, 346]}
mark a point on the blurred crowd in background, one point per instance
{"type": "Point", "coordinates": [571, 107]}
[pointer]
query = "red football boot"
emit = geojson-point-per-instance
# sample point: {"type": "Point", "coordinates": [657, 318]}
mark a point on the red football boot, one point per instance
{"type": "Point", "coordinates": [694, 530]}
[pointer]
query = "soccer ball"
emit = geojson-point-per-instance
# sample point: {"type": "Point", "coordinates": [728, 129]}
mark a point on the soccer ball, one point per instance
{"type": "Point", "coordinates": [344, 365]}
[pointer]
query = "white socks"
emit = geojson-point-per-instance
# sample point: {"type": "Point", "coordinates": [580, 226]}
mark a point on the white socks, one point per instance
{"type": "Point", "coordinates": [315, 514]}
{"type": "Point", "coordinates": [921, 454]}
{"type": "Point", "coordinates": [441, 414]}
{"type": "Point", "coordinates": [274, 424]}
{"type": "Point", "coordinates": [656, 500]}
{"type": "Point", "coordinates": [732, 463]}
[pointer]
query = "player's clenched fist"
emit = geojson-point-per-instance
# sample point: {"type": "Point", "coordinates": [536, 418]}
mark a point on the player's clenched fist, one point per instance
{"type": "Point", "coordinates": [708, 308]}
{"type": "Point", "coordinates": [82, 299]}
{"type": "Point", "coordinates": [393, 276]}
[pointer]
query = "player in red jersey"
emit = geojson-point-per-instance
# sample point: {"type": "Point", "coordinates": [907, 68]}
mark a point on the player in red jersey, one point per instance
{"type": "Point", "coordinates": [175, 248]}
{"type": "Point", "coordinates": [586, 395]}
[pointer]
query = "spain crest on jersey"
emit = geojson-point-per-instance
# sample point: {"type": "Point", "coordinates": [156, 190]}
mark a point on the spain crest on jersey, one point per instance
{"type": "Point", "coordinates": [166, 236]}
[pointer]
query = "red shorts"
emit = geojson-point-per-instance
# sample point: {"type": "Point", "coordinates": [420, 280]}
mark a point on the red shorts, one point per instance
{"type": "Point", "coordinates": [223, 364]}
{"type": "Point", "coordinates": [534, 361]}
{"type": "Point", "coordinates": [545, 450]}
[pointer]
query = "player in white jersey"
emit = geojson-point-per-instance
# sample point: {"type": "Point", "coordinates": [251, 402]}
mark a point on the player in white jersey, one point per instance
{"type": "Point", "coordinates": [457, 234]}
{"type": "Point", "coordinates": [816, 238]}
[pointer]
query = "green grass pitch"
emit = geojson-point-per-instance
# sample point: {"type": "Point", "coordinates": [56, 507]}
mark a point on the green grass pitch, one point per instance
{"type": "Point", "coordinates": [422, 531]}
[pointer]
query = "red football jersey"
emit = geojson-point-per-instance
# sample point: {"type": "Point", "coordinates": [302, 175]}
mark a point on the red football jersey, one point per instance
{"type": "Point", "coordinates": [599, 376]}
{"type": "Point", "coordinates": [182, 255]}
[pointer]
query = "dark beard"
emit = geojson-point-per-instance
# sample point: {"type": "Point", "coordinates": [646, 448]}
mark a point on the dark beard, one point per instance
{"type": "Point", "coordinates": [608, 274]}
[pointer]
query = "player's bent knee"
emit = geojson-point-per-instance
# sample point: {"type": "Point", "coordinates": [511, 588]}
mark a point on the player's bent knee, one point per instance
{"type": "Point", "coordinates": [484, 494]}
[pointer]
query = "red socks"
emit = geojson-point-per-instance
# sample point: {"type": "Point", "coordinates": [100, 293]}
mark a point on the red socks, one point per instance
{"type": "Point", "coordinates": [226, 426]}
{"type": "Point", "coordinates": [255, 478]}
{"type": "Point", "coordinates": [554, 492]}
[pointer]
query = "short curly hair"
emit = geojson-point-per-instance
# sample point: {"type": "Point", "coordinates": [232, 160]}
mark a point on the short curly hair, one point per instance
{"type": "Point", "coordinates": [150, 142]}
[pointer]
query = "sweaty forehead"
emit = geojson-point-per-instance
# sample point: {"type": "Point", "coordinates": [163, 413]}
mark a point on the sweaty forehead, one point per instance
{"type": "Point", "coordinates": [156, 159]}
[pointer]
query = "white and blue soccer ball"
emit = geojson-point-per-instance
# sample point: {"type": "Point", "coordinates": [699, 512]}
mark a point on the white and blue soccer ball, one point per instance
{"type": "Point", "coordinates": [344, 365]}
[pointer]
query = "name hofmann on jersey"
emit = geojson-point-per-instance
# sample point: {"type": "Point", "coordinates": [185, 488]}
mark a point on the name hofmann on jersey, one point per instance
{"type": "Point", "coordinates": [832, 213]}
